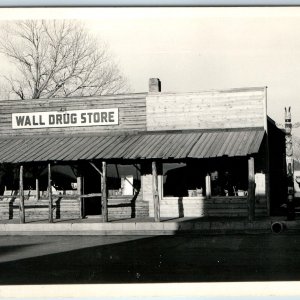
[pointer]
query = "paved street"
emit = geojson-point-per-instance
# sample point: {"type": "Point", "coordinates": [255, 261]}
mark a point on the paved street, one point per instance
{"type": "Point", "coordinates": [122, 259]}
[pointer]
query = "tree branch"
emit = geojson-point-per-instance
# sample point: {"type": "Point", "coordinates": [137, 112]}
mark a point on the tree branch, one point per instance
{"type": "Point", "coordinates": [58, 58]}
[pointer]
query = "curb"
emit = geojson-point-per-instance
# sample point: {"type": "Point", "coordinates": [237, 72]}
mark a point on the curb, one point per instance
{"type": "Point", "coordinates": [139, 228]}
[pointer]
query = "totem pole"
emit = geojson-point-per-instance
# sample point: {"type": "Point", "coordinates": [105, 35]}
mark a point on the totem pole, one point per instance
{"type": "Point", "coordinates": [289, 165]}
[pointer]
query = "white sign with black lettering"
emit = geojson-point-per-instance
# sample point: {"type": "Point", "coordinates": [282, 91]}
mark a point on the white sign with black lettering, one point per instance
{"type": "Point", "coordinates": [71, 118]}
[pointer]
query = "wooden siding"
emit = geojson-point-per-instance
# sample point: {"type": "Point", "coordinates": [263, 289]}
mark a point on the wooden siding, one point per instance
{"type": "Point", "coordinates": [125, 207]}
{"type": "Point", "coordinates": [234, 108]}
{"type": "Point", "coordinates": [132, 113]}
{"type": "Point", "coordinates": [39, 209]}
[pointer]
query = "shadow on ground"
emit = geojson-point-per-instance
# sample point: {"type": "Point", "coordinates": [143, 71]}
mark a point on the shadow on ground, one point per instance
{"type": "Point", "coordinates": [164, 259]}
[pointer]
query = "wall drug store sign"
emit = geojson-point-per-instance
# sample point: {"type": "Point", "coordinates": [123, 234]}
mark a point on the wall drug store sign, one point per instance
{"type": "Point", "coordinates": [71, 118]}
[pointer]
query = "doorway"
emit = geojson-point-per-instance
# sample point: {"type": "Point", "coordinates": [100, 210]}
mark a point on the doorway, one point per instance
{"type": "Point", "coordinates": [91, 184]}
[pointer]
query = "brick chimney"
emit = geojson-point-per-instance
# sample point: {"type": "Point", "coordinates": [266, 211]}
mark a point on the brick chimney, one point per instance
{"type": "Point", "coordinates": [154, 85]}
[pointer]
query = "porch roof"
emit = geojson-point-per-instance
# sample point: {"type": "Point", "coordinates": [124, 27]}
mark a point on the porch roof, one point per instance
{"type": "Point", "coordinates": [147, 145]}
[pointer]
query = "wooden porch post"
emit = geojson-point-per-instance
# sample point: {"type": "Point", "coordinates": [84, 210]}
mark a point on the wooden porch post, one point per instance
{"type": "Point", "coordinates": [50, 195]}
{"type": "Point", "coordinates": [37, 189]}
{"type": "Point", "coordinates": [251, 189]}
{"type": "Point", "coordinates": [21, 192]}
{"type": "Point", "coordinates": [79, 191]}
{"type": "Point", "coordinates": [155, 192]}
{"type": "Point", "coordinates": [104, 194]}
{"type": "Point", "coordinates": [83, 199]}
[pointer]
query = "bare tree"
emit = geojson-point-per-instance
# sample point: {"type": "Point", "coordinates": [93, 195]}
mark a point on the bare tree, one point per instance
{"type": "Point", "coordinates": [57, 58]}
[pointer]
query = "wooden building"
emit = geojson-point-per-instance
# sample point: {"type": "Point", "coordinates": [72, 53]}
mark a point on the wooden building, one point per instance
{"type": "Point", "coordinates": [157, 154]}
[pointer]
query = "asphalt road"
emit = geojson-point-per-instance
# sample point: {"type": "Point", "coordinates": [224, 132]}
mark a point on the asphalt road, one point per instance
{"type": "Point", "coordinates": [134, 259]}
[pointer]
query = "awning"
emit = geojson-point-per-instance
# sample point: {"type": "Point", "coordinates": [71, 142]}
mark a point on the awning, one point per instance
{"type": "Point", "coordinates": [151, 145]}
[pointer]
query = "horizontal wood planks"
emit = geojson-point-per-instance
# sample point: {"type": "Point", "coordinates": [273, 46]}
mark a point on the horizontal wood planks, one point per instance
{"type": "Point", "coordinates": [38, 209]}
{"type": "Point", "coordinates": [214, 109]}
{"type": "Point", "coordinates": [233, 108]}
{"type": "Point", "coordinates": [132, 113]}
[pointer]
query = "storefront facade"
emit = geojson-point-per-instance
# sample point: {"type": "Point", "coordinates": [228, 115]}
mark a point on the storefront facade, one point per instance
{"type": "Point", "coordinates": [155, 154]}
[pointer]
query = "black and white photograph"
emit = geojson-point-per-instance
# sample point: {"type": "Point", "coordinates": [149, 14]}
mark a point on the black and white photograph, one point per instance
{"type": "Point", "coordinates": [149, 145]}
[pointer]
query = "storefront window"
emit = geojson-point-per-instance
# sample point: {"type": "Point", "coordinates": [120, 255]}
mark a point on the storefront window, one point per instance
{"type": "Point", "coordinates": [123, 180]}
{"type": "Point", "coordinates": [182, 180]}
{"type": "Point", "coordinates": [229, 177]}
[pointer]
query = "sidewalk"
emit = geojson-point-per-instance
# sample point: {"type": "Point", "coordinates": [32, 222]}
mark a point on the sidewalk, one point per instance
{"type": "Point", "coordinates": [95, 226]}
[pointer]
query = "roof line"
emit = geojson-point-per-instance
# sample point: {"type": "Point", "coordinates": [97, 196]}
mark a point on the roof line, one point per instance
{"type": "Point", "coordinates": [225, 90]}
{"type": "Point", "coordinates": [126, 133]}
{"type": "Point", "coordinates": [128, 95]}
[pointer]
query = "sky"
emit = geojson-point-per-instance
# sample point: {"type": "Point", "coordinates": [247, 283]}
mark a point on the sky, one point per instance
{"type": "Point", "coordinates": [196, 48]}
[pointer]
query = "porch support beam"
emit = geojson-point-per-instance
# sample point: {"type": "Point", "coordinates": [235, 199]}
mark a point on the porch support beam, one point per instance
{"type": "Point", "coordinates": [79, 192]}
{"type": "Point", "coordinates": [139, 169]}
{"type": "Point", "coordinates": [21, 192]}
{"type": "Point", "coordinates": [37, 189]}
{"type": "Point", "coordinates": [104, 193]}
{"type": "Point", "coordinates": [251, 189]}
{"type": "Point", "coordinates": [155, 192]}
{"type": "Point", "coordinates": [95, 167]}
{"type": "Point", "coordinates": [50, 195]}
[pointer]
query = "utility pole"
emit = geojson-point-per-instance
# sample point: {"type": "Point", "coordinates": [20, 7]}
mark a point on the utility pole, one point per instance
{"type": "Point", "coordinates": [289, 164]}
